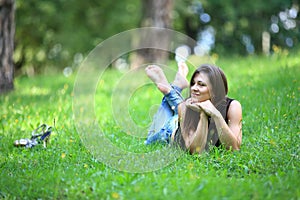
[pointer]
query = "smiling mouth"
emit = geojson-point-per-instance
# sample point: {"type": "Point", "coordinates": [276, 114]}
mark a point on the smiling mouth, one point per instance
{"type": "Point", "coordinates": [195, 94]}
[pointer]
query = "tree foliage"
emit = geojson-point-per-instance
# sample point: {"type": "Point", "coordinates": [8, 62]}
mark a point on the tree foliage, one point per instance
{"type": "Point", "coordinates": [235, 19]}
{"type": "Point", "coordinates": [59, 33]}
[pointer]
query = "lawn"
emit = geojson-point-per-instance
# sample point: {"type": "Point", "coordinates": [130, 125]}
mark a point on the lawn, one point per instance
{"type": "Point", "coordinates": [266, 167]}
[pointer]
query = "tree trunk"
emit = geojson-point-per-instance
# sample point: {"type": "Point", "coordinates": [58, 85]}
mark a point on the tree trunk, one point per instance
{"type": "Point", "coordinates": [156, 13]}
{"type": "Point", "coordinates": [7, 31]}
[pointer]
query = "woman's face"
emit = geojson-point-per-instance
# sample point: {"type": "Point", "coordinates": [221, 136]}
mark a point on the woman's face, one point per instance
{"type": "Point", "coordinates": [199, 88]}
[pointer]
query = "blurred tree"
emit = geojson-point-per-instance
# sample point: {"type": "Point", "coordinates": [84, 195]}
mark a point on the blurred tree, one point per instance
{"type": "Point", "coordinates": [240, 24]}
{"type": "Point", "coordinates": [155, 14]}
{"type": "Point", "coordinates": [186, 17]}
{"type": "Point", "coordinates": [60, 33]}
{"type": "Point", "coordinates": [7, 31]}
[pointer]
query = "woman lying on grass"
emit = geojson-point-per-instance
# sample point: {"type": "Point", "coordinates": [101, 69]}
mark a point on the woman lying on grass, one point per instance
{"type": "Point", "coordinates": [208, 117]}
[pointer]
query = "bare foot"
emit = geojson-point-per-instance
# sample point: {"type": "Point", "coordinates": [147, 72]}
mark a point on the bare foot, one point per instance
{"type": "Point", "coordinates": [180, 78]}
{"type": "Point", "coordinates": [156, 74]}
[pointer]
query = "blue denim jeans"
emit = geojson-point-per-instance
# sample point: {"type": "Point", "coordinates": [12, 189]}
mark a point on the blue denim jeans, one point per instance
{"type": "Point", "coordinates": [166, 118]}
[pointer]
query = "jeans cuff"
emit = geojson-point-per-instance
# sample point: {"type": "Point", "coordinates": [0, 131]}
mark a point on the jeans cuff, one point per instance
{"type": "Point", "coordinates": [174, 98]}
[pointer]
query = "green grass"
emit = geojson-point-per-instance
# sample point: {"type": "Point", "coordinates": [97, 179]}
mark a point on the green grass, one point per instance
{"type": "Point", "coordinates": [266, 167]}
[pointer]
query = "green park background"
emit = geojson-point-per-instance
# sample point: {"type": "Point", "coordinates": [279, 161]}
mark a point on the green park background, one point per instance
{"type": "Point", "coordinates": [53, 37]}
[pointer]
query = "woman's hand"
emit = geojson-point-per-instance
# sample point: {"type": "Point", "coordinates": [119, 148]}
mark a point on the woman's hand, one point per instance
{"type": "Point", "coordinates": [192, 105]}
{"type": "Point", "coordinates": [208, 108]}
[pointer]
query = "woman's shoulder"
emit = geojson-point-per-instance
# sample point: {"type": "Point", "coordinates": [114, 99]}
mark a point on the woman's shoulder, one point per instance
{"type": "Point", "coordinates": [234, 108]}
{"type": "Point", "coordinates": [231, 101]}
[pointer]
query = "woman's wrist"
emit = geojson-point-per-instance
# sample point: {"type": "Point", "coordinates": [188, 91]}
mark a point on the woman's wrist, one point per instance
{"type": "Point", "coordinates": [216, 115]}
{"type": "Point", "coordinates": [203, 114]}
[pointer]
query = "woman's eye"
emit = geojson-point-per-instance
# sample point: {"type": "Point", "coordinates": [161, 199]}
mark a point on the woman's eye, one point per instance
{"type": "Point", "coordinates": [201, 84]}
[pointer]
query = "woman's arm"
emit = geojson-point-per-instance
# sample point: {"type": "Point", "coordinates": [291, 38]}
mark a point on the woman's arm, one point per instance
{"type": "Point", "coordinates": [195, 140]}
{"type": "Point", "coordinates": [199, 137]}
{"type": "Point", "coordinates": [229, 134]}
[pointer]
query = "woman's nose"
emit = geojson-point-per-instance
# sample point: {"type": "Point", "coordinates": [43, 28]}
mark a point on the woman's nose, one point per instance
{"type": "Point", "coordinates": [193, 88]}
